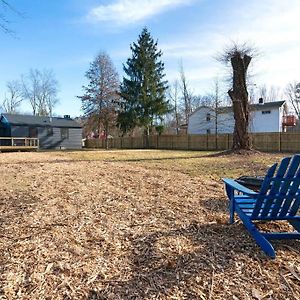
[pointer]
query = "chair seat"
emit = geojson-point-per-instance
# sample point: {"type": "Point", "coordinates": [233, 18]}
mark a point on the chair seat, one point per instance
{"type": "Point", "coordinates": [247, 204]}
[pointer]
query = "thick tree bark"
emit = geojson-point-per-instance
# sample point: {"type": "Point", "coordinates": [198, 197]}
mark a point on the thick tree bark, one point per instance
{"type": "Point", "coordinates": [239, 97]}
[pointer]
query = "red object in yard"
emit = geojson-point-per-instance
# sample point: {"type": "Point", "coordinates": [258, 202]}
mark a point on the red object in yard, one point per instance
{"type": "Point", "coordinates": [103, 135]}
{"type": "Point", "coordinates": [289, 120]}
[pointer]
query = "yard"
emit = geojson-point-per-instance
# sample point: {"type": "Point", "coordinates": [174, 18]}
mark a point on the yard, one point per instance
{"type": "Point", "coordinates": [133, 224]}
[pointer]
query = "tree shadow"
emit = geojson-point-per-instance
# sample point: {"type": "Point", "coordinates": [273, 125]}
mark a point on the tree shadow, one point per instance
{"type": "Point", "coordinates": [158, 158]}
{"type": "Point", "coordinates": [55, 161]}
{"type": "Point", "coordinates": [163, 262]}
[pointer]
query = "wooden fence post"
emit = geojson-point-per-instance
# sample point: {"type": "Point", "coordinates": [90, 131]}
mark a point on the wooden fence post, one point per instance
{"type": "Point", "coordinates": [228, 137]}
{"type": "Point", "coordinates": [280, 141]}
{"type": "Point", "coordinates": [207, 141]}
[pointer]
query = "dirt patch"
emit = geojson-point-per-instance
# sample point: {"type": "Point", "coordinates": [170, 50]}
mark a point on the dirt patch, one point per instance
{"type": "Point", "coordinates": [93, 228]}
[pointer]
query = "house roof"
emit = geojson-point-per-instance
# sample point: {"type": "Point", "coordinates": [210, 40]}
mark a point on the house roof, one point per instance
{"type": "Point", "coordinates": [274, 104]}
{"type": "Point", "coordinates": [257, 106]}
{"type": "Point", "coordinates": [27, 120]}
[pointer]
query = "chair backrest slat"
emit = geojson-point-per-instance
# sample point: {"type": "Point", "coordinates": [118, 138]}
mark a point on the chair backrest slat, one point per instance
{"type": "Point", "coordinates": [295, 207]}
{"type": "Point", "coordinates": [279, 195]}
{"type": "Point", "coordinates": [288, 189]}
{"type": "Point", "coordinates": [292, 205]}
{"type": "Point", "coordinates": [275, 186]}
{"type": "Point", "coordinates": [263, 191]}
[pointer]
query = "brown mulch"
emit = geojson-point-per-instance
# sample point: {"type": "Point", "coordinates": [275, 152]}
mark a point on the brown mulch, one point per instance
{"type": "Point", "coordinates": [118, 230]}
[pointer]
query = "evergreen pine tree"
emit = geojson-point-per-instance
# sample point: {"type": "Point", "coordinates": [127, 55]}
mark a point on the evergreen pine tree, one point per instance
{"type": "Point", "coordinates": [143, 89]}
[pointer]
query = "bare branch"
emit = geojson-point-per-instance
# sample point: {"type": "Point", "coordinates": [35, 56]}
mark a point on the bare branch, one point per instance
{"type": "Point", "coordinates": [40, 88]}
{"type": "Point", "coordinates": [4, 21]}
{"type": "Point", "coordinates": [186, 93]}
{"type": "Point", "coordinates": [13, 97]}
{"type": "Point", "coordinates": [292, 92]}
{"type": "Point", "coordinates": [234, 48]}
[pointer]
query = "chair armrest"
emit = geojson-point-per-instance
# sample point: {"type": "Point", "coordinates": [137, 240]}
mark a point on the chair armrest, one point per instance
{"type": "Point", "coordinates": [238, 187]}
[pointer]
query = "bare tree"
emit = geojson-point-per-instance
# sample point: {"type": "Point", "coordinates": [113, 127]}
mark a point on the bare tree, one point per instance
{"type": "Point", "coordinates": [216, 105]}
{"type": "Point", "coordinates": [217, 113]}
{"type": "Point", "coordinates": [30, 88]}
{"type": "Point", "coordinates": [47, 98]}
{"type": "Point", "coordinates": [40, 88]}
{"type": "Point", "coordinates": [101, 98]}
{"type": "Point", "coordinates": [186, 94]}
{"type": "Point", "coordinates": [292, 91]}
{"type": "Point", "coordinates": [13, 97]}
{"type": "Point", "coordinates": [173, 94]}
{"type": "Point", "coordinates": [239, 57]}
{"type": "Point", "coordinates": [269, 94]}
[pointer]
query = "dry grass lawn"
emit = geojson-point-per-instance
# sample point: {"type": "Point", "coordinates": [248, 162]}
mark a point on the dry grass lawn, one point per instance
{"type": "Point", "coordinates": [133, 225]}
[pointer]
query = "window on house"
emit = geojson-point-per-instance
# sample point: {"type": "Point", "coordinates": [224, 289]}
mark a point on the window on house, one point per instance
{"type": "Point", "coordinates": [33, 132]}
{"type": "Point", "coordinates": [49, 131]}
{"type": "Point", "coordinates": [208, 117]}
{"type": "Point", "coordinates": [264, 112]}
{"type": "Point", "coordinates": [208, 131]}
{"type": "Point", "coordinates": [64, 133]}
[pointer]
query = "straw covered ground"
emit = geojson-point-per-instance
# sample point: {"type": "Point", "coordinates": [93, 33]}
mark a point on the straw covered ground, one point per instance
{"type": "Point", "coordinates": [133, 225]}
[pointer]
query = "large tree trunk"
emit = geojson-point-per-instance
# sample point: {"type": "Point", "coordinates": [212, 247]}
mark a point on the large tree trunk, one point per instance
{"type": "Point", "coordinates": [239, 97]}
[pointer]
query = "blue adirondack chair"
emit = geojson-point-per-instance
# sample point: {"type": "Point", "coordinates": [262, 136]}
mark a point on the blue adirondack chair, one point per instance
{"type": "Point", "coordinates": [278, 199]}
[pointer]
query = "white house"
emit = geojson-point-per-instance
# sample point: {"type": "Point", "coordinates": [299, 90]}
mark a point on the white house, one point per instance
{"type": "Point", "coordinates": [264, 117]}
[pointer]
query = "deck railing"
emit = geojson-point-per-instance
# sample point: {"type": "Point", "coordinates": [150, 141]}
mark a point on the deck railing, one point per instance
{"type": "Point", "coordinates": [19, 142]}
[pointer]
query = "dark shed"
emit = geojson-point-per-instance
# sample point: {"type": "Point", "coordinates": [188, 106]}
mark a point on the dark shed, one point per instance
{"type": "Point", "coordinates": [52, 132]}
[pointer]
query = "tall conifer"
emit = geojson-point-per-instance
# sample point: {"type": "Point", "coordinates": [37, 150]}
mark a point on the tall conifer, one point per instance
{"type": "Point", "coordinates": [143, 88]}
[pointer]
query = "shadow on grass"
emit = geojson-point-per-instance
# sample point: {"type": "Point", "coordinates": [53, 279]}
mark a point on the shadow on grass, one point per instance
{"type": "Point", "coordinates": [159, 158]}
{"type": "Point", "coordinates": [106, 160]}
{"type": "Point", "coordinates": [161, 265]}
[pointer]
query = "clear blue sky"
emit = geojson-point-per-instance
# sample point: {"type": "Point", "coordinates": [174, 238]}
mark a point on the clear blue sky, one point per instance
{"type": "Point", "coordinates": [66, 35]}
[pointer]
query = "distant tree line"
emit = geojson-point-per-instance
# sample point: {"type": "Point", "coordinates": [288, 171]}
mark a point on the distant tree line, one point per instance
{"type": "Point", "coordinates": [145, 100]}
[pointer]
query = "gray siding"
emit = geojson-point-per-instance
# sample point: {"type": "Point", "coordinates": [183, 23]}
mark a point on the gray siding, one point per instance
{"type": "Point", "coordinates": [52, 141]}
{"type": "Point", "coordinates": [55, 141]}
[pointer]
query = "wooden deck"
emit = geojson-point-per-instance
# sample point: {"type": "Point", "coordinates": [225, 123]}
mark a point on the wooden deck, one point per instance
{"type": "Point", "coordinates": [18, 144]}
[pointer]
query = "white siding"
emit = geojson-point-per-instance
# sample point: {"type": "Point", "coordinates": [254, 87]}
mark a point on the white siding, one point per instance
{"type": "Point", "coordinates": [198, 123]}
{"type": "Point", "coordinates": [259, 121]}
{"type": "Point", "coordinates": [266, 122]}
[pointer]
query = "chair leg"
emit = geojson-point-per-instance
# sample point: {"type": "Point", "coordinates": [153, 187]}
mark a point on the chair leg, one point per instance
{"type": "Point", "coordinates": [231, 211]}
{"type": "Point", "coordinates": [230, 195]}
{"type": "Point", "coordinates": [263, 243]}
{"type": "Point", "coordinates": [259, 238]}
